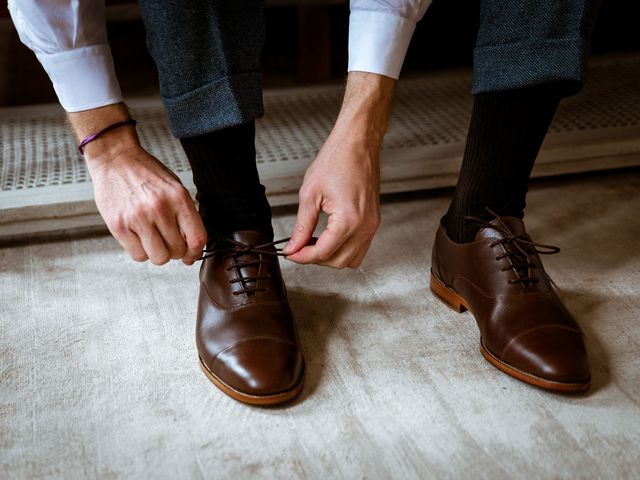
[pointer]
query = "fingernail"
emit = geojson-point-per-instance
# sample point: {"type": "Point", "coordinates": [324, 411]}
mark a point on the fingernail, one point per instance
{"type": "Point", "coordinates": [288, 247]}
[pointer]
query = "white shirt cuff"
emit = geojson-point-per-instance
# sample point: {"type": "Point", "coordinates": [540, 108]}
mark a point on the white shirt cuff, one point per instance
{"type": "Point", "coordinates": [83, 78]}
{"type": "Point", "coordinates": [378, 42]}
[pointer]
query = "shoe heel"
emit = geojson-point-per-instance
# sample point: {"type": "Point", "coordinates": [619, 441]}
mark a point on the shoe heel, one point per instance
{"type": "Point", "coordinates": [446, 295]}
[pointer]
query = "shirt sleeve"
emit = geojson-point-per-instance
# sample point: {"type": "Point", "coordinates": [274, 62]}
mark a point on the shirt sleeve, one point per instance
{"type": "Point", "coordinates": [380, 32]}
{"type": "Point", "coordinates": [69, 39]}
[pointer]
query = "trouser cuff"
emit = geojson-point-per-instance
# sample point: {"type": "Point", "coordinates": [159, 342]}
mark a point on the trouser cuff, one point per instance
{"type": "Point", "coordinates": [229, 101]}
{"type": "Point", "coordinates": [526, 64]}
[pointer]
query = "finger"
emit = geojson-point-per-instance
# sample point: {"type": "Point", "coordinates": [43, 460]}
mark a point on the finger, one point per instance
{"type": "Point", "coordinates": [171, 236]}
{"type": "Point", "coordinates": [153, 244]}
{"type": "Point", "coordinates": [131, 243]}
{"type": "Point", "coordinates": [350, 254]}
{"type": "Point", "coordinates": [193, 230]}
{"type": "Point", "coordinates": [306, 222]}
{"type": "Point", "coordinates": [343, 257]}
{"type": "Point", "coordinates": [356, 261]}
{"type": "Point", "coordinates": [329, 241]}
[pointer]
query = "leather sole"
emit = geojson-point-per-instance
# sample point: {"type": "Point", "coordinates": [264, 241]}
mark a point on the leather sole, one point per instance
{"type": "Point", "coordinates": [263, 400]}
{"type": "Point", "coordinates": [455, 301]}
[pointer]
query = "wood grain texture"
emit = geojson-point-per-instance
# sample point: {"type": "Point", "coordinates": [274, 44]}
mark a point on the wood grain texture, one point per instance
{"type": "Point", "coordinates": [99, 375]}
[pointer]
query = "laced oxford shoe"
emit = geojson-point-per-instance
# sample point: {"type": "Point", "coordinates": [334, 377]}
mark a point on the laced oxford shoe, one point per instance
{"type": "Point", "coordinates": [525, 329]}
{"type": "Point", "coordinates": [245, 331]}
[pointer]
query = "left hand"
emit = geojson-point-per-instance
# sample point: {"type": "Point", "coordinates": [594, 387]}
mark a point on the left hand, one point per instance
{"type": "Point", "coordinates": [344, 179]}
{"type": "Point", "coordinates": [343, 182]}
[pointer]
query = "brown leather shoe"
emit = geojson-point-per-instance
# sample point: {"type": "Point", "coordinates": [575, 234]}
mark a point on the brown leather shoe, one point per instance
{"type": "Point", "coordinates": [245, 331]}
{"type": "Point", "coordinates": [525, 329]}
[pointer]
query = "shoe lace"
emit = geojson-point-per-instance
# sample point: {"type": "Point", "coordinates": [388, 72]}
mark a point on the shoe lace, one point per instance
{"type": "Point", "coordinates": [519, 256]}
{"type": "Point", "coordinates": [233, 249]}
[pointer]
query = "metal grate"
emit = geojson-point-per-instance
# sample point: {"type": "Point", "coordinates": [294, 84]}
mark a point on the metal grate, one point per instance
{"type": "Point", "coordinates": [38, 150]}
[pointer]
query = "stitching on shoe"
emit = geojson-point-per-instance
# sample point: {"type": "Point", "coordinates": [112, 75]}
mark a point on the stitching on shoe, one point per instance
{"type": "Point", "coordinates": [531, 375]}
{"type": "Point", "coordinates": [244, 340]}
{"type": "Point", "coordinates": [534, 329]}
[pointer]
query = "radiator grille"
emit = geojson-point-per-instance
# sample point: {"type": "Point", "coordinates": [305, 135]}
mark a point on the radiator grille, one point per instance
{"type": "Point", "coordinates": [39, 151]}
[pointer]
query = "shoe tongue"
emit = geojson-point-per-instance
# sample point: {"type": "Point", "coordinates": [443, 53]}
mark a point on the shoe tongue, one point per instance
{"type": "Point", "coordinates": [514, 224]}
{"type": "Point", "coordinates": [250, 237]}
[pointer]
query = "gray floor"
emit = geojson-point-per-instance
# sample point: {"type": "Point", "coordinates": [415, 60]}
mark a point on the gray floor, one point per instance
{"type": "Point", "coordinates": [99, 374]}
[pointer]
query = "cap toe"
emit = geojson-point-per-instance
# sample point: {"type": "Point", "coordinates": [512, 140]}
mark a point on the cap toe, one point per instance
{"type": "Point", "coordinates": [260, 366]}
{"type": "Point", "coordinates": [553, 353]}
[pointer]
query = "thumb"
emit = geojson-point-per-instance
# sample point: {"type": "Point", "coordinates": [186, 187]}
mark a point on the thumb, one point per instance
{"type": "Point", "coordinates": [306, 221]}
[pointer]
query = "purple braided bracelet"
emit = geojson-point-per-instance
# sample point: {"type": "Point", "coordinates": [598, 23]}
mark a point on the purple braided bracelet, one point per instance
{"type": "Point", "coordinates": [93, 136]}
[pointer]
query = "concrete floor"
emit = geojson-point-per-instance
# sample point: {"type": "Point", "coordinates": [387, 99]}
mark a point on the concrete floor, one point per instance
{"type": "Point", "coordinates": [99, 375]}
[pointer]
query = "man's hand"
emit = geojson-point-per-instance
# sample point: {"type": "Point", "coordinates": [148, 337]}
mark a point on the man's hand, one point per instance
{"type": "Point", "coordinates": [143, 203]}
{"type": "Point", "coordinates": [344, 179]}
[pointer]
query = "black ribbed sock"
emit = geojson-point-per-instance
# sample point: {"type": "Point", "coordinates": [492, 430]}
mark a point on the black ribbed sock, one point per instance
{"type": "Point", "coordinates": [506, 131]}
{"type": "Point", "coordinates": [229, 194]}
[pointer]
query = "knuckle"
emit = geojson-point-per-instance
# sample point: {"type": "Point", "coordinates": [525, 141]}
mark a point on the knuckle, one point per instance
{"type": "Point", "coordinates": [306, 195]}
{"type": "Point", "coordinates": [156, 204]}
{"type": "Point", "coordinates": [180, 194]}
{"type": "Point", "coordinates": [198, 240]}
{"type": "Point", "coordinates": [118, 225]}
{"type": "Point", "coordinates": [134, 217]}
{"type": "Point", "coordinates": [323, 257]}
{"type": "Point", "coordinates": [371, 230]}
{"type": "Point", "coordinates": [161, 259]}
{"type": "Point", "coordinates": [138, 257]}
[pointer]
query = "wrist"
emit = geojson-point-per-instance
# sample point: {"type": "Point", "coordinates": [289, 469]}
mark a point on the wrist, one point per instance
{"type": "Point", "coordinates": [361, 128]}
{"type": "Point", "coordinates": [366, 107]}
{"type": "Point", "coordinates": [109, 143]}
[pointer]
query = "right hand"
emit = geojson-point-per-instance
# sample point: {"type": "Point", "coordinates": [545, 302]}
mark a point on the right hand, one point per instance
{"type": "Point", "coordinates": [145, 206]}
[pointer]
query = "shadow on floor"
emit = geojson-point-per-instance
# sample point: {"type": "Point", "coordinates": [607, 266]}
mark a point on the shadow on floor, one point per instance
{"type": "Point", "coordinates": [587, 307]}
{"type": "Point", "coordinates": [318, 316]}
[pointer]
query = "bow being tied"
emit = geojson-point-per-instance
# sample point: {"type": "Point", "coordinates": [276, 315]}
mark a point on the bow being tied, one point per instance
{"type": "Point", "coordinates": [245, 255]}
